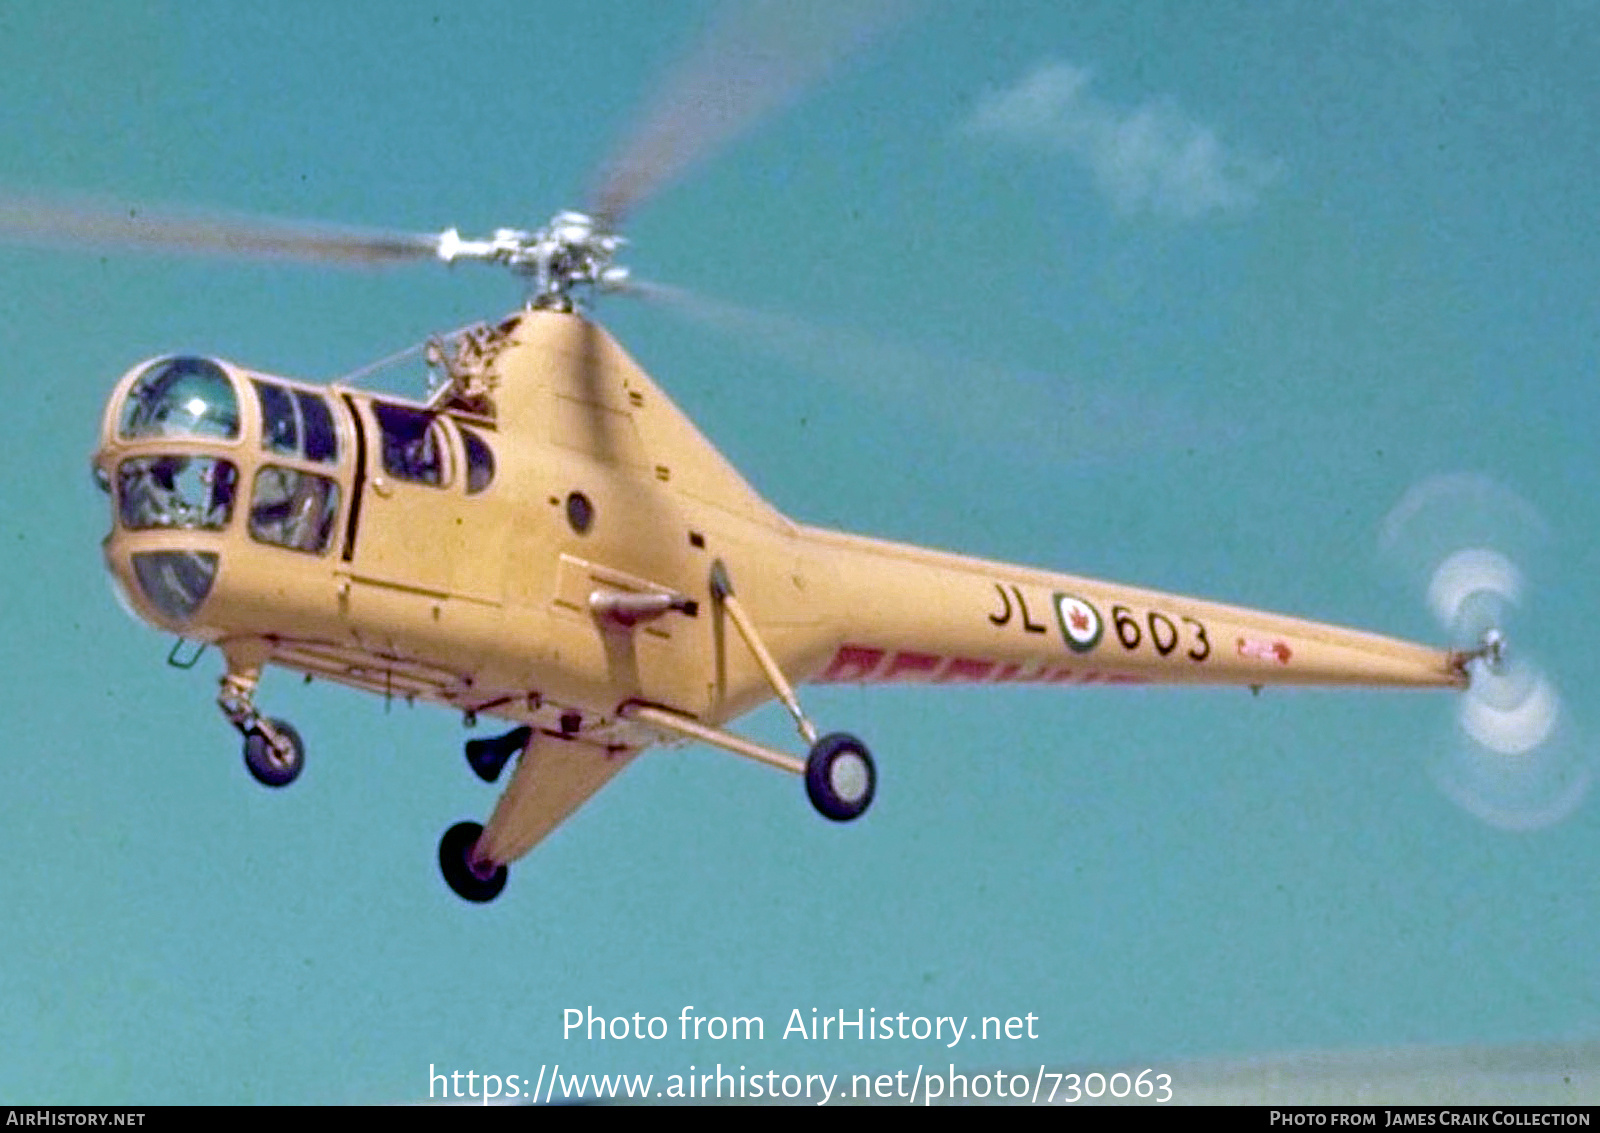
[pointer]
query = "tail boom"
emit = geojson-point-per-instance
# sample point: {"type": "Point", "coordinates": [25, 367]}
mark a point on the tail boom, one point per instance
{"type": "Point", "coordinates": [906, 615]}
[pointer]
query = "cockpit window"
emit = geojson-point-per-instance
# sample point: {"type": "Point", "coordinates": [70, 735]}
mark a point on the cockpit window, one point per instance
{"type": "Point", "coordinates": [279, 432]}
{"type": "Point", "coordinates": [294, 509]}
{"type": "Point", "coordinates": [480, 461]}
{"type": "Point", "coordinates": [296, 423]}
{"type": "Point", "coordinates": [413, 444]}
{"type": "Point", "coordinates": [181, 397]}
{"type": "Point", "coordinates": [181, 492]}
{"type": "Point", "coordinates": [319, 437]}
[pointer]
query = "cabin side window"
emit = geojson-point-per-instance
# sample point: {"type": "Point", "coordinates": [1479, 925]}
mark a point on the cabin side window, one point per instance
{"type": "Point", "coordinates": [480, 461]}
{"type": "Point", "coordinates": [297, 424]}
{"type": "Point", "coordinates": [293, 509]}
{"type": "Point", "coordinates": [413, 445]}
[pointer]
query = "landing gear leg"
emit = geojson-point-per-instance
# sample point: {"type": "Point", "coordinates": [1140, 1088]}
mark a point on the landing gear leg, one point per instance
{"type": "Point", "coordinates": [273, 751]}
{"type": "Point", "coordinates": [840, 776]}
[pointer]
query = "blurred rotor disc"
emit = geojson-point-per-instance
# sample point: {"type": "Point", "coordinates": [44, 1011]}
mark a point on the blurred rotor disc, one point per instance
{"type": "Point", "coordinates": [1516, 763]}
{"type": "Point", "coordinates": [83, 222]}
{"type": "Point", "coordinates": [1445, 515]}
{"type": "Point", "coordinates": [1515, 760]}
{"type": "Point", "coordinates": [1472, 592]}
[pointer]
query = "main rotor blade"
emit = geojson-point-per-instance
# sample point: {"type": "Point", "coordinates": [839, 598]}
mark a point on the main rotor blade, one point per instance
{"type": "Point", "coordinates": [51, 223]}
{"type": "Point", "coordinates": [756, 57]}
{"type": "Point", "coordinates": [968, 397]}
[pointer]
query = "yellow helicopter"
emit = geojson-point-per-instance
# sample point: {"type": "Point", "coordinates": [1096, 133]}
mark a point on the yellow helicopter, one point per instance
{"type": "Point", "coordinates": [548, 541]}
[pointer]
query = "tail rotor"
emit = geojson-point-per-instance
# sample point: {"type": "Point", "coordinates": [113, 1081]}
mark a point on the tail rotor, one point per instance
{"type": "Point", "coordinates": [1514, 760]}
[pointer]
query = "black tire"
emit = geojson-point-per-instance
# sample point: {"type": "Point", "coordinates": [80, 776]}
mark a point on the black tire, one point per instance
{"type": "Point", "coordinates": [454, 849]}
{"type": "Point", "coordinates": [266, 765]}
{"type": "Point", "coordinates": [840, 777]}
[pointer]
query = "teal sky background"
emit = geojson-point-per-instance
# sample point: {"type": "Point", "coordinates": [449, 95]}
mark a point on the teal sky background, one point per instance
{"type": "Point", "coordinates": [1181, 295]}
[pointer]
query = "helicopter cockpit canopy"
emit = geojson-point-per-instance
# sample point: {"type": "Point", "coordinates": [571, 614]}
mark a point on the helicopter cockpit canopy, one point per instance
{"type": "Point", "coordinates": [181, 397]}
{"type": "Point", "coordinates": [179, 464]}
{"type": "Point", "coordinates": [210, 464]}
{"type": "Point", "coordinates": [178, 399]}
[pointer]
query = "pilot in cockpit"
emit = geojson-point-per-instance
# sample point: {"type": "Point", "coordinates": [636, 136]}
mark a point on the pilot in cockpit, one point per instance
{"type": "Point", "coordinates": [177, 491]}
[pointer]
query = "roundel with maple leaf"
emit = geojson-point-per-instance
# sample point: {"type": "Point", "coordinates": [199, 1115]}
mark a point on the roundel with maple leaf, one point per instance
{"type": "Point", "coordinates": [1080, 623]}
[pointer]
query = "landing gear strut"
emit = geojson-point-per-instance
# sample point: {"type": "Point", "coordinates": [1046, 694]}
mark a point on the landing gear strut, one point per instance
{"type": "Point", "coordinates": [274, 753]}
{"type": "Point", "coordinates": [840, 776]}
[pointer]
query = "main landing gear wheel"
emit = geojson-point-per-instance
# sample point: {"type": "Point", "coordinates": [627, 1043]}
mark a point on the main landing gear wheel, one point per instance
{"type": "Point", "coordinates": [270, 767]}
{"type": "Point", "coordinates": [840, 777]}
{"type": "Point", "coordinates": [455, 860]}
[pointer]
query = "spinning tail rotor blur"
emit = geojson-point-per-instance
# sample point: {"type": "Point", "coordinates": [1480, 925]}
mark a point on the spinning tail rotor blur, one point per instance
{"type": "Point", "coordinates": [1517, 762]}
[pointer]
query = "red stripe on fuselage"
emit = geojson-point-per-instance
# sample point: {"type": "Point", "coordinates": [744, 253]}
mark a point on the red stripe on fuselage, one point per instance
{"type": "Point", "coordinates": [865, 664]}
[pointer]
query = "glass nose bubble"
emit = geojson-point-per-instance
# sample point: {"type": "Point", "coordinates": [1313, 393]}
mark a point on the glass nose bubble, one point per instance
{"type": "Point", "coordinates": [181, 397]}
{"type": "Point", "coordinates": [175, 582]}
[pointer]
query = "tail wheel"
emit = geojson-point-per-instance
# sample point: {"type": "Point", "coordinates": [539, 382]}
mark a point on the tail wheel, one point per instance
{"type": "Point", "coordinates": [455, 860]}
{"type": "Point", "coordinates": [840, 777]}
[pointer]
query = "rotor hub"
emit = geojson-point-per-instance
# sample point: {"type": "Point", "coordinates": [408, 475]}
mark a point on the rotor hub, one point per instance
{"type": "Point", "coordinates": [1493, 650]}
{"type": "Point", "coordinates": [571, 252]}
